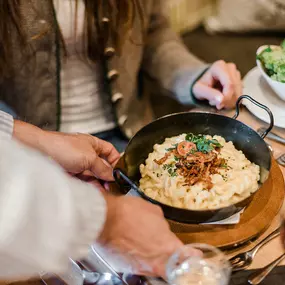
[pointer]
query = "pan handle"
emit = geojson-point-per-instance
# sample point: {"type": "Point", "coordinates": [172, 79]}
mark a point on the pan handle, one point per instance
{"type": "Point", "coordinates": [120, 177]}
{"type": "Point", "coordinates": [271, 124]}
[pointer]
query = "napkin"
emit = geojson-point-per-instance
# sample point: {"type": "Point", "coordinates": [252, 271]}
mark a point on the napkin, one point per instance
{"type": "Point", "coordinates": [233, 220]}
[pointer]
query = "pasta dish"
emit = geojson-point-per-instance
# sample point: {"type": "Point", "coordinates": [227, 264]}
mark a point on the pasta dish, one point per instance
{"type": "Point", "coordinates": [198, 172]}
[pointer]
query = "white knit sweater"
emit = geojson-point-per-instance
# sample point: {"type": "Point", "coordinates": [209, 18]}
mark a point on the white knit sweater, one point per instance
{"type": "Point", "coordinates": [45, 215]}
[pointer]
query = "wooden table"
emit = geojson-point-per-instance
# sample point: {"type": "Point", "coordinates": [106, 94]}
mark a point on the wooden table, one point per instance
{"type": "Point", "coordinates": [274, 248]}
{"type": "Point", "coordinates": [271, 251]}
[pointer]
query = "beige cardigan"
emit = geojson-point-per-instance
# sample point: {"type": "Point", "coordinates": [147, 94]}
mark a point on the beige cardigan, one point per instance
{"type": "Point", "coordinates": [34, 90]}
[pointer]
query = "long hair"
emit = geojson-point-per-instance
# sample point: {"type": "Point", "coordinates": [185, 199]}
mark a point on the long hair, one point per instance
{"type": "Point", "coordinates": [122, 14]}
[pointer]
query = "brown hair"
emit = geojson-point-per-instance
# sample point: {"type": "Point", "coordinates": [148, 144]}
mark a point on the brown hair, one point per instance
{"type": "Point", "coordinates": [121, 13]}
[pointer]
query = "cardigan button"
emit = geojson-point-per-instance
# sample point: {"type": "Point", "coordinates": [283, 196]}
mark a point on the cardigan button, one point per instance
{"type": "Point", "coordinates": [42, 21]}
{"type": "Point", "coordinates": [105, 20]}
{"type": "Point", "coordinates": [128, 132]}
{"type": "Point", "coordinates": [112, 74]}
{"type": "Point", "coordinates": [117, 97]}
{"type": "Point", "coordinates": [122, 120]}
{"type": "Point", "coordinates": [109, 51]}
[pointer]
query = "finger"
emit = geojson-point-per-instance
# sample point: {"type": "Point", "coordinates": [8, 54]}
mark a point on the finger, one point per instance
{"type": "Point", "coordinates": [214, 96]}
{"type": "Point", "coordinates": [240, 85]}
{"type": "Point", "coordinates": [101, 168]}
{"type": "Point", "coordinates": [232, 70]}
{"type": "Point", "coordinates": [87, 173]}
{"type": "Point", "coordinates": [106, 150]}
{"type": "Point", "coordinates": [221, 73]}
{"type": "Point", "coordinates": [155, 266]}
{"type": "Point", "coordinates": [159, 264]}
{"type": "Point", "coordinates": [86, 176]}
{"type": "Point", "coordinates": [98, 185]}
{"type": "Point", "coordinates": [236, 78]}
{"type": "Point", "coordinates": [207, 78]}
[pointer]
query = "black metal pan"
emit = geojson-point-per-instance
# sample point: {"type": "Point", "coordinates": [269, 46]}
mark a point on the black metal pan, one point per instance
{"type": "Point", "coordinates": [243, 137]}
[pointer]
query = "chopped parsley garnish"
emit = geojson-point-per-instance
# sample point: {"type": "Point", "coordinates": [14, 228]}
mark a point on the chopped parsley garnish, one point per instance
{"type": "Point", "coordinates": [215, 143]}
{"type": "Point", "coordinates": [171, 169]}
{"type": "Point", "coordinates": [202, 143]}
{"type": "Point", "coordinates": [193, 138]}
{"type": "Point", "coordinates": [172, 172]}
{"type": "Point", "coordinates": [172, 148]}
{"type": "Point", "coordinates": [225, 178]}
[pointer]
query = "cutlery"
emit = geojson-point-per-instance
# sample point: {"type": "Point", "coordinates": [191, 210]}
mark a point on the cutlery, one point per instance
{"type": "Point", "coordinates": [272, 136]}
{"type": "Point", "coordinates": [113, 272]}
{"type": "Point", "coordinates": [244, 259]}
{"type": "Point", "coordinates": [258, 276]}
{"type": "Point", "coordinates": [281, 159]}
{"type": "Point", "coordinates": [89, 277]}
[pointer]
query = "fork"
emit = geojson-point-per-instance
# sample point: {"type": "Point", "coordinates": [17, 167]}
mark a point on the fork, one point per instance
{"type": "Point", "coordinates": [271, 135]}
{"type": "Point", "coordinates": [258, 276]}
{"type": "Point", "coordinates": [281, 159]}
{"type": "Point", "coordinates": [243, 260]}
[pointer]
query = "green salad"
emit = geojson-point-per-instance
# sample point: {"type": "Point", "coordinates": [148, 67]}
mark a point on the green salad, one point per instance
{"type": "Point", "coordinates": [273, 61]}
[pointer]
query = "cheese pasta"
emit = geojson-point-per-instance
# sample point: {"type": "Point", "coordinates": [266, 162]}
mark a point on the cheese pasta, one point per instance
{"type": "Point", "coordinates": [208, 174]}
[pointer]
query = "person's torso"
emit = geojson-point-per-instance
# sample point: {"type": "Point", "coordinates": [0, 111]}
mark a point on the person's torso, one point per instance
{"type": "Point", "coordinates": [34, 91]}
{"type": "Point", "coordinates": [85, 105]}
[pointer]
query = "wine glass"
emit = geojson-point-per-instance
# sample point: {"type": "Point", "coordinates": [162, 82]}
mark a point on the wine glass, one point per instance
{"type": "Point", "coordinates": [198, 264]}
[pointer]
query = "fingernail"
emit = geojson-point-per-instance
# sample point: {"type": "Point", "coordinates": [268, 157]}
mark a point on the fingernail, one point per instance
{"type": "Point", "coordinates": [219, 99]}
{"type": "Point", "coordinates": [106, 162]}
{"type": "Point", "coordinates": [220, 107]}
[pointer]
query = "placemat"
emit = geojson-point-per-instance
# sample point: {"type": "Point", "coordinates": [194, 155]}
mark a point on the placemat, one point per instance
{"type": "Point", "coordinates": [276, 277]}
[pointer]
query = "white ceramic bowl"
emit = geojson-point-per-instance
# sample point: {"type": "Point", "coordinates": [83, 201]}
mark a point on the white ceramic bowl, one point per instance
{"type": "Point", "coordinates": [278, 87]}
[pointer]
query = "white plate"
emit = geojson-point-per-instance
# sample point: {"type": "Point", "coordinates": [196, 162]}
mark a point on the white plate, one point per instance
{"type": "Point", "coordinates": [257, 87]}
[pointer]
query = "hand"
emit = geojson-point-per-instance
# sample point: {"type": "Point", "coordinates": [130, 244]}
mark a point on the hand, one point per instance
{"type": "Point", "coordinates": [221, 85]}
{"type": "Point", "coordinates": [81, 154]}
{"type": "Point", "coordinates": [137, 230]}
{"type": "Point", "coordinates": [78, 154]}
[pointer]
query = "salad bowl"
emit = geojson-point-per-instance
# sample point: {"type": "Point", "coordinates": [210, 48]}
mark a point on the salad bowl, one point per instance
{"type": "Point", "coordinates": [269, 59]}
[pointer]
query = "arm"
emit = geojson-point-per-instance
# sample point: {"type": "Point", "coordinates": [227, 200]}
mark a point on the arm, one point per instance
{"type": "Point", "coordinates": [28, 134]}
{"type": "Point", "coordinates": [167, 60]}
{"type": "Point", "coordinates": [77, 153]}
{"type": "Point", "coordinates": [45, 215]}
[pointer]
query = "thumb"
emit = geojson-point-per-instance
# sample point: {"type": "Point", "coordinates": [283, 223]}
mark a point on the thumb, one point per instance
{"type": "Point", "coordinates": [204, 92]}
{"type": "Point", "coordinates": [101, 168]}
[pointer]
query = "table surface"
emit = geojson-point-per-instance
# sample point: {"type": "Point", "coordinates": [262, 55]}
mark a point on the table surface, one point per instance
{"type": "Point", "coordinates": [273, 249]}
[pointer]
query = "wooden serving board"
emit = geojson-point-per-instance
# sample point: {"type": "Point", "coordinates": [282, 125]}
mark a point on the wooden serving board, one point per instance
{"type": "Point", "coordinates": [256, 218]}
